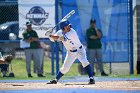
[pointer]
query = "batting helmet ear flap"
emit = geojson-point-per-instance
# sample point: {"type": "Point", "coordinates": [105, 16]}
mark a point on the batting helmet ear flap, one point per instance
{"type": "Point", "coordinates": [63, 28]}
{"type": "Point", "coordinates": [70, 26]}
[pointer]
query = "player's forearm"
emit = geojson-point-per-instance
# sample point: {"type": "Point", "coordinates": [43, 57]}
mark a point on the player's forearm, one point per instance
{"type": "Point", "coordinates": [2, 62]}
{"type": "Point", "coordinates": [32, 39]}
{"type": "Point", "coordinates": [99, 34]}
{"type": "Point", "coordinates": [94, 37]}
{"type": "Point", "coordinates": [54, 37]}
{"type": "Point", "coordinates": [28, 40]}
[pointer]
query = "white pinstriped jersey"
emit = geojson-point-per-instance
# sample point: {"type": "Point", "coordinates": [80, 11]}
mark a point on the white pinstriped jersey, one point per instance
{"type": "Point", "coordinates": [71, 40]}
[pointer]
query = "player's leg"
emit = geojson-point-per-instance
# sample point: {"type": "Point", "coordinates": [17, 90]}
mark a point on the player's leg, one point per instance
{"type": "Point", "coordinates": [38, 61]}
{"type": "Point", "coordinates": [86, 65]}
{"type": "Point", "coordinates": [100, 63]}
{"type": "Point", "coordinates": [4, 68]}
{"type": "Point", "coordinates": [69, 59]}
{"type": "Point", "coordinates": [91, 58]}
{"type": "Point", "coordinates": [28, 55]}
{"type": "Point", "coordinates": [42, 61]}
{"type": "Point", "coordinates": [35, 65]}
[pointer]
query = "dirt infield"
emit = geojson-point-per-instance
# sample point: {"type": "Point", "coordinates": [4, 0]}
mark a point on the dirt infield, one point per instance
{"type": "Point", "coordinates": [111, 85]}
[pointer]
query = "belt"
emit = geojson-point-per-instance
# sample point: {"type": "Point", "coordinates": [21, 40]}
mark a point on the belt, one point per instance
{"type": "Point", "coordinates": [75, 49]}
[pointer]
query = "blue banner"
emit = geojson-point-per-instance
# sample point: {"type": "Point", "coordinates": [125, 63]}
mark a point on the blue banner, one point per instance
{"type": "Point", "coordinates": [111, 17]}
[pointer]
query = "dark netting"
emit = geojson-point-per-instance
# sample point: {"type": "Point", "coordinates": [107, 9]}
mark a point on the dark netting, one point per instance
{"type": "Point", "coordinates": [8, 19]}
{"type": "Point", "coordinates": [9, 41]}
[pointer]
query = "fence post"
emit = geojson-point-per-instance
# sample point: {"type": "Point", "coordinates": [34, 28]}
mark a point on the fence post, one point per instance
{"type": "Point", "coordinates": [52, 58]}
{"type": "Point", "coordinates": [56, 43]}
{"type": "Point", "coordinates": [131, 35]}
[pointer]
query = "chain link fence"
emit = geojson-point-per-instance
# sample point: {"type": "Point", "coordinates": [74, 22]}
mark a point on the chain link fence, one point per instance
{"type": "Point", "coordinates": [9, 23]}
{"type": "Point", "coordinates": [8, 19]}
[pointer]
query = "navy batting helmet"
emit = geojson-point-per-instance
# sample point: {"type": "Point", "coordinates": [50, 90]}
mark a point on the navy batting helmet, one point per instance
{"type": "Point", "coordinates": [64, 23]}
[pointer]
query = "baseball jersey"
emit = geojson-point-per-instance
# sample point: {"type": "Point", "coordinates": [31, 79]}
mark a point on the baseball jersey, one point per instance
{"type": "Point", "coordinates": [28, 34]}
{"type": "Point", "coordinates": [71, 40]}
{"type": "Point", "coordinates": [93, 44]}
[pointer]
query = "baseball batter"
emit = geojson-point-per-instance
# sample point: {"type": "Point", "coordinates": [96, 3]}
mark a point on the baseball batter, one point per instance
{"type": "Point", "coordinates": [75, 50]}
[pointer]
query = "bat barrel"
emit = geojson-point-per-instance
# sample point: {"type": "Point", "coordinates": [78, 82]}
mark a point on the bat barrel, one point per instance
{"type": "Point", "coordinates": [72, 12]}
{"type": "Point", "coordinates": [65, 18]}
{"type": "Point", "coordinates": [69, 14]}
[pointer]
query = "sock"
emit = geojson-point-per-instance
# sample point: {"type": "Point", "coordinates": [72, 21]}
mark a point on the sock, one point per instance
{"type": "Point", "coordinates": [89, 71]}
{"type": "Point", "coordinates": [59, 75]}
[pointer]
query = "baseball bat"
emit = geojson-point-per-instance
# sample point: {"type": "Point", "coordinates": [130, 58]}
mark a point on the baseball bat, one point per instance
{"type": "Point", "coordinates": [64, 18]}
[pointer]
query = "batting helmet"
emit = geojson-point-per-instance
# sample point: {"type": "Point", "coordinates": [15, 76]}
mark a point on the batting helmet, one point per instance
{"type": "Point", "coordinates": [64, 23]}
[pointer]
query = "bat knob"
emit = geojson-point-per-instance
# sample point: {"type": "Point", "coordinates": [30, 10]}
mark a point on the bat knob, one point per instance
{"type": "Point", "coordinates": [49, 31]}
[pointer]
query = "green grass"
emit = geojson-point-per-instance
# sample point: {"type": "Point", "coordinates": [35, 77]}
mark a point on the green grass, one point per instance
{"type": "Point", "coordinates": [19, 69]}
{"type": "Point", "coordinates": [125, 76]}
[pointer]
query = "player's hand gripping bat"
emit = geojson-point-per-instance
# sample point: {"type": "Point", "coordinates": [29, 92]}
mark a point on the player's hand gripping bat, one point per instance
{"type": "Point", "coordinates": [49, 31]}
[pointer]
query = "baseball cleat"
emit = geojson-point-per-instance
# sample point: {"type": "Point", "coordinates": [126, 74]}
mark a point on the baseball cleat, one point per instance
{"type": "Point", "coordinates": [104, 74]}
{"type": "Point", "coordinates": [52, 82]}
{"type": "Point", "coordinates": [40, 75]}
{"type": "Point", "coordinates": [30, 76]}
{"type": "Point", "coordinates": [91, 81]}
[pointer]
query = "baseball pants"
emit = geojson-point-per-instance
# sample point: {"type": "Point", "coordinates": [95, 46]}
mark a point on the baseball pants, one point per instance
{"type": "Point", "coordinates": [38, 57]}
{"type": "Point", "coordinates": [95, 55]}
{"type": "Point", "coordinates": [71, 57]}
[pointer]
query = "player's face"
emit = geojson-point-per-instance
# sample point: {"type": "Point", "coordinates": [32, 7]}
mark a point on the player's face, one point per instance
{"type": "Point", "coordinates": [93, 25]}
{"type": "Point", "coordinates": [67, 28]}
{"type": "Point", "coordinates": [29, 27]}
